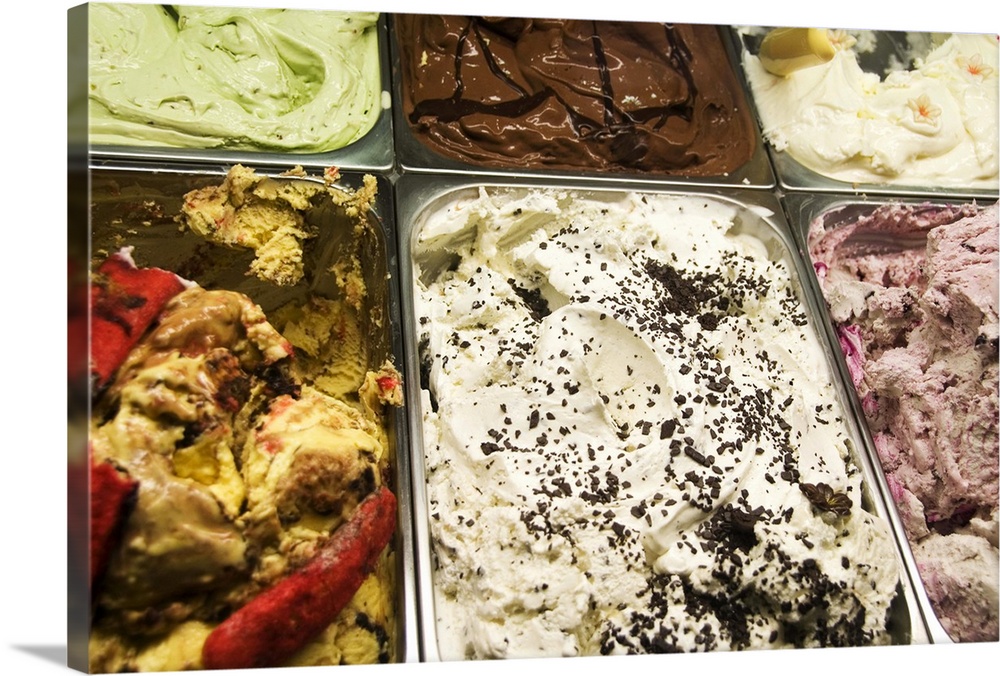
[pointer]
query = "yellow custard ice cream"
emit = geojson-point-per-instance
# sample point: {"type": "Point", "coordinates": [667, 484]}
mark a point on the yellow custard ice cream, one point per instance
{"type": "Point", "coordinates": [221, 77]}
{"type": "Point", "coordinates": [267, 215]}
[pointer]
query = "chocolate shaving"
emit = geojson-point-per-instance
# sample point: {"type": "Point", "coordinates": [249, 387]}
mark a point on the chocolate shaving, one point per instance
{"type": "Point", "coordinates": [823, 497]}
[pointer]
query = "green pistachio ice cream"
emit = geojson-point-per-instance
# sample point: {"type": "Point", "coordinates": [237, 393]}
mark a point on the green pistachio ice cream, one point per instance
{"type": "Point", "coordinates": [220, 77]}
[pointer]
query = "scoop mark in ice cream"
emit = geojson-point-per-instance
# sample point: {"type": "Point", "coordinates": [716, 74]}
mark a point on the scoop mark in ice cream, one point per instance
{"type": "Point", "coordinates": [267, 215]}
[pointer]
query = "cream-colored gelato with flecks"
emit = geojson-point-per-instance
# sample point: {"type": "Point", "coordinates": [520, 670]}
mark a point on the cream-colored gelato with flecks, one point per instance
{"type": "Point", "coordinates": [244, 470]}
{"type": "Point", "coordinates": [282, 80]}
{"type": "Point", "coordinates": [934, 124]}
{"type": "Point", "coordinates": [631, 435]}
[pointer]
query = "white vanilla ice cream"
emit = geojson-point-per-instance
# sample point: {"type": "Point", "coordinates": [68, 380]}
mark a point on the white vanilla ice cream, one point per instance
{"type": "Point", "coordinates": [933, 124]}
{"type": "Point", "coordinates": [625, 413]}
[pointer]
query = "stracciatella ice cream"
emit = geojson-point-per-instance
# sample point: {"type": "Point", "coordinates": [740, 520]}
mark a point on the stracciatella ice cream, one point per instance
{"type": "Point", "coordinates": [913, 291]}
{"type": "Point", "coordinates": [631, 434]}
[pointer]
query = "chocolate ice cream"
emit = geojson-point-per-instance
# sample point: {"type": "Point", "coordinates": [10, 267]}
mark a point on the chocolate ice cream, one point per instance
{"type": "Point", "coordinates": [568, 94]}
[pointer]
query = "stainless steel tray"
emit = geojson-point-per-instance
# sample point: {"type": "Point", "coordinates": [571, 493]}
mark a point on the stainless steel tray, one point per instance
{"type": "Point", "coordinates": [413, 155]}
{"type": "Point", "coordinates": [372, 152]}
{"type": "Point", "coordinates": [793, 176]}
{"type": "Point", "coordinates": [416, 195]}
{"type": "Point", "coordinates": [801, 210]}
{"type": "Point", "coordinates": [135, 206]}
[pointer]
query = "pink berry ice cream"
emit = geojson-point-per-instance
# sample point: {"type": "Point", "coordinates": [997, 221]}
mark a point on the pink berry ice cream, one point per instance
{"type": "Point", "coordinates": [913, 293]}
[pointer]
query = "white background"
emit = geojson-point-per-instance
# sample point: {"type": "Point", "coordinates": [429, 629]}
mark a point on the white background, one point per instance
{"type": "Point", "coordinates": [32, 246]}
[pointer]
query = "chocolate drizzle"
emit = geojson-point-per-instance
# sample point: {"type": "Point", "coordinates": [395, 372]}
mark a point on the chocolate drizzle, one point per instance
{"type": "Point", "coordinates": [456, 106]}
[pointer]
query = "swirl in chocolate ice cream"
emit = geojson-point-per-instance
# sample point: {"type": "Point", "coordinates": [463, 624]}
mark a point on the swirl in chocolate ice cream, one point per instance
{"type": "Point", "coordinates": [618, 96]}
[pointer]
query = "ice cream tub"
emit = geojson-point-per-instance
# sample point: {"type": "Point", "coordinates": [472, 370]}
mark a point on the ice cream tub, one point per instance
{"type": "Point", "coordinates": [234, 85]}
{"type": "Point", "coordinates": [627, 431]}
{"type": "Point", "coordinates": [248, 465]}
{"type": "Point", "coordinates": [910, 287]}
{"type": "Point", "coordinates": [566, 99]}
{"type": "Point", "coordinates": [875, 112]}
